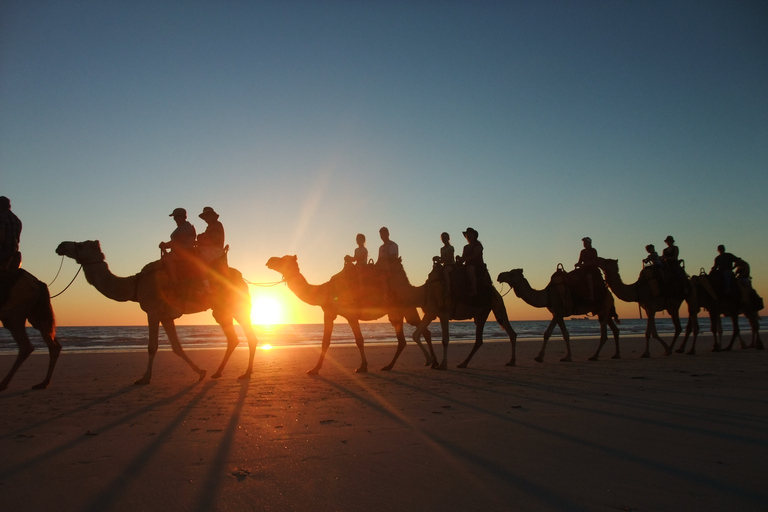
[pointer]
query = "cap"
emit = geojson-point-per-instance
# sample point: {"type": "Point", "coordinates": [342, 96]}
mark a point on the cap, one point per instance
{"type": "Point", "coordinates": [178, 212]}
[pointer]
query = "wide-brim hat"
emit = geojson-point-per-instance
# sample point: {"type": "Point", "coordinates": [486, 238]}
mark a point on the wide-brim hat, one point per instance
{"type": "Point", "coordinates": [470, 230]}
{"type": "Point", "coordinates": [586, 239]}
{"type": "Point", "coordinates": [178, 212]}
{"type": "Point", "coordinates": [208, 212]}
{"type": "Point", "coordinates": [669, 239]}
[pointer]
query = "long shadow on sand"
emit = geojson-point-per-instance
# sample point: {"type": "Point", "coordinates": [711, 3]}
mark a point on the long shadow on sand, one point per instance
{"type": "Point", "coordinates": [488, 466]}
{"type": "Point", "coordinates": [35, 461]}
{"type": "Point", "coordinates": [206, 499]}
{"type": "Point", "coordinates": [699, 414]}
{"type": "Point", "coordinates": [74, 410]}
{"type": "Point", "coordinates": [699, 479]}
{"type": "Point", "coordinates": [107, 498]}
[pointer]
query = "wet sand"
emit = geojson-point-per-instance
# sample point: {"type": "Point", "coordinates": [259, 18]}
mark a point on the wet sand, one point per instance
{"type": "Point", "coordinates": [666, 433]}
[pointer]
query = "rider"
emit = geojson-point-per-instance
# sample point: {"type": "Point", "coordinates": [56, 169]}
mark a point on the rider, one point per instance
{"type": "Point", "coordinates": [588, 263]}
{"type": "Point", "coordinates": [10, 235]}
{"type": "Point", "coordinates": [361, 252]}
{"type": "Point", "coordinates": [724, 266]}
{"type": "Point", "coordinates": [10, 257]}
{"type": "Point", "coordinates": [670, 257]}
{"type": "Point", "coordinates": [182, 245]}
{"type": "Point", "coordinates": [389, 252]}
{"type": "Point", "coordinates": [472, 258]}
{"type": "Point", "coordinates": [210, 243]}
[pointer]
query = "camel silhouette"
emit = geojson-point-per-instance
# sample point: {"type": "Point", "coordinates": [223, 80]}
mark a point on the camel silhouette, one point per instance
{"type": "Point", "coordinates": [704, 294]}
{"type": "Point", "coordinates": [343, 295]}
{"type": "Point", "coordinates": [650, 299]}
{"type": "Point", "coordinates": [29, 300]}
{"type": "Point", "coordinates": [563, 299]}
{"type": "Point", "coordinates": [153, 289]}
{"type": "Point", "coordinates": [462, 307]}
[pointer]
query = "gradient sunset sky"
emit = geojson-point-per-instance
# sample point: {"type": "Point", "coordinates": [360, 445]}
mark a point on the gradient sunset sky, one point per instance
{"type": "Point", "coordinates": [303, 123]}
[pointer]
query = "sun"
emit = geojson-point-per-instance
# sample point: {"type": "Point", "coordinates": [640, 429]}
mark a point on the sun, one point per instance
{"type": "Point", "coordinates": [266, 311]}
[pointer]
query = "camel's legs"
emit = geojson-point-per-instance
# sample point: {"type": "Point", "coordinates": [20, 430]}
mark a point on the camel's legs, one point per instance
{"type": "Point", "coordinates": [615, 330]}
{"type": "Point", "coordinates": [651, 332]}
{"type": "Point", "coordinates": [754, 324]}
{"type": "Point", "coordinates": [678, 329]}
{"type": "Point", "coordinates": [567, 338]}
{"type": "Point", "coordinates": [547, 334]}
{"type": "Point", "coordinates": [603, 339]}
{"type": "Point", "coordinates": [232, 341]}
{"type": "Point", "coordinates": [512, 338]}
{"type": "Point", "coordinates": [479, 326]}
{"type": "Point", "coordinates": [691, 327]}
{"type": "Point", "coordinates": [173, 338]}
{"type": "Point", "coordinates": [154, 331]}
{"type": "Point", "coordinates": [397, 323]}
{"type": "Point", "coordinates": [422, 327]}
{"type": "Point", "coordinates": [354, 323]}
{"type": "Point", "coordinates": [327, 332]}
{"type": "Point", "coordinates": [444, 326]}
{"type": "Point", "coordinates": [19, 333]}
{"type": "Point", "coordinates": [54, 349]}
{"type": "Point", "coordinates": [245, 322]}
{"type": "Point", "coordinates": [412, 317]}
{"type": "Point", "coordinates": [736, 334]}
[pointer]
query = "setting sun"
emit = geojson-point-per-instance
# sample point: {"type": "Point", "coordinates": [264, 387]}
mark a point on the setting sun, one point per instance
{"type": "Point", "coordinates": [266, 311]}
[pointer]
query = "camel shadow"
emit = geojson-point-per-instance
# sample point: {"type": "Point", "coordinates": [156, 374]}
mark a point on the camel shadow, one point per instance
{"type": "Point", "coordinates": [111, 495]}
{"type": "Point", "coordinates": [69, 445]}
{"type": "Point", "coordinates": [206, 500]}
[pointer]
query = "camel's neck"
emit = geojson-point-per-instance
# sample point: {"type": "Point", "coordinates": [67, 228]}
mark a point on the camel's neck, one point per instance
{"type": "Point", "coordinates": [116, 288]}
{"type": "Point", "coordinates": [625, 292]}
{"type": "Point", "coordinates": [313, 295]}
{"type": "Point", "coordinates": [532, 297]}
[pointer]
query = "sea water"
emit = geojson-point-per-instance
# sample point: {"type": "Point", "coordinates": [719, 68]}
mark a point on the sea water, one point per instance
{"type": "Point", "coordinates": [133, 338]}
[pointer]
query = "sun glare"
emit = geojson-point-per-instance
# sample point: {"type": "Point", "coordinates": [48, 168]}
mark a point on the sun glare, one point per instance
{"type": "Point", "coordinates": [266, 311]}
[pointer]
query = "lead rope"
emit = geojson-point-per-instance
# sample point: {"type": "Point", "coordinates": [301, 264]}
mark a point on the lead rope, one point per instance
{"type": "Point", "coordinates": [70, 283]}
{"type": "Point", "coordinates": [58, 272]}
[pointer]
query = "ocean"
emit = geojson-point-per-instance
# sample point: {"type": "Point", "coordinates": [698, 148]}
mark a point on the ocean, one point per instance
{"type": "Point", "coordinates": [134, 338]}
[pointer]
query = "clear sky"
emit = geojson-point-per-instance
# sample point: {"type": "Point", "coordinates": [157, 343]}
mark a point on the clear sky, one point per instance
{"type": "Point", "coordinates": [303, 123]}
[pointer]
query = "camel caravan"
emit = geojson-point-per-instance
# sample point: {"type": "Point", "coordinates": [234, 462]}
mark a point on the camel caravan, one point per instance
{"type": "Point", "coordinates": [192, 275]}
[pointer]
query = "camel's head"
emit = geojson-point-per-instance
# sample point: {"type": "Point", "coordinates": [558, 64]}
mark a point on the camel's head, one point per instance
{"type": "Point", "coordinates": [82, 252]}
{"type": "Point", "coordinates": [608, 265]}
{"type": "Point", "coordinates": [512, 277]}
{"type": "Point", "coordinates": [287, 265]}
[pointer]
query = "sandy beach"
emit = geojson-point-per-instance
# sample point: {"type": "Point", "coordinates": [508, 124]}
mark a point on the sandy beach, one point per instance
{"type": "Point", "coordinates": [667, 433]}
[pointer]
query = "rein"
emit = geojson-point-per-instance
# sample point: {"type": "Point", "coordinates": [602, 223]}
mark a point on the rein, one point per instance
{"type": "Point", "coordinates": [264, 285]}
{"type": "Point", "coordinates": [70, 283]}
{"type": "Point", "coordinates": [58, 272]}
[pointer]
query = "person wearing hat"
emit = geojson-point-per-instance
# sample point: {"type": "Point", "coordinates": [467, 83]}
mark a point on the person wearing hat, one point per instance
{"type": "Point", "coordinates": [181, 246]}
{"type": "Point", "coordinates": [472, 258]}
{"type": "Point", "coordinates": [670, 257]}
{"type": "Point", "coordinates": [671, 252]}
{"type": "Point", "coordinates": [588, 263]}
{"type": "Point", "coordinates": [210, 243]}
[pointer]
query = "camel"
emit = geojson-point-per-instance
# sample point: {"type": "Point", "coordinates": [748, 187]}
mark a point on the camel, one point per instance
{"type": "Point", "coordinates": [564, 300]}
{"type": "Point", "coordinates": [651, 300]}
{"type": "Point", "coordinates": [154, 291]}
{"type": "Point", "coordinates": [704, 295]}
{"type": "Point", "coordinates": [340, 297]}
{"type": "Point", "coordinates": [29, 300]}
{"type": "Point", "coordinates": [462, 307]}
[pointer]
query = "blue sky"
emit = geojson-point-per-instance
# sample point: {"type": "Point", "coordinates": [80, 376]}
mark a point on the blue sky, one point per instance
{"type": "Point", "coordinates": [304, 123]}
